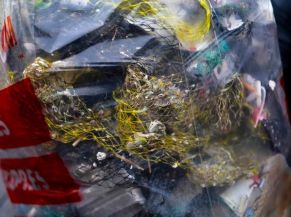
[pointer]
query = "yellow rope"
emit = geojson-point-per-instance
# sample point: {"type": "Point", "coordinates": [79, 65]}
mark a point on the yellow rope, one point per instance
{"type": "Point", "coordinates": [188, 33]}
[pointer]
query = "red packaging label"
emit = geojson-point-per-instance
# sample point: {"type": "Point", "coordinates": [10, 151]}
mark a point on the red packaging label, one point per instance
{"type": "Point", "coordinates": [22, 122]}
{"type": "Point", "coordinates": [40, 180]}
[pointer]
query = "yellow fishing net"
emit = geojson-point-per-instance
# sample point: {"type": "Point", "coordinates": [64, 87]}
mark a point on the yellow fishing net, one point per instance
{"type": "Point", "coordinates": [189, 22]}
{"type": "Point", "coordinates": [157, 119]}
{"type": "Point", "coordinates": [151, 115]}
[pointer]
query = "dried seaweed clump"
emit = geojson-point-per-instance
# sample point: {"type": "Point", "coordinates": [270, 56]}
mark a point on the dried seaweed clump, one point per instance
{"type": "Point", "coordinates": [215, 166]}
{"type": "Point", "coordinates": [221, 110]}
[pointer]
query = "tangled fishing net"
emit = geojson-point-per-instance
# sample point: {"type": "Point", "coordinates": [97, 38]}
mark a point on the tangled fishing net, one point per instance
{"type": "Point", "coordinates": [156, 119]}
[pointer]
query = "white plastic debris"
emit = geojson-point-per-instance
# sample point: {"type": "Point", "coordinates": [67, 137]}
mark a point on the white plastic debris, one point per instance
{"type": "Point", "coordinates": [157, 127]}
{"type": "Point", "coordinates": [237, 196]}
{"type": "Point", "coordinates": [272, 85]}
{"type": "Point", "coordinates": [101, 156]}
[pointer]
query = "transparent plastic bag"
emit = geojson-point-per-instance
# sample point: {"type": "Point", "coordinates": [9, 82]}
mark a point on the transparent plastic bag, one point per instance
{"type": "Point", "coordinates": [165, 108]}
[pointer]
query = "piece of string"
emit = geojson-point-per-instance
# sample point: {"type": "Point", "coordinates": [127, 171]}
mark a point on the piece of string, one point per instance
{"type": "Point", "coordinates": [205, 2]}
